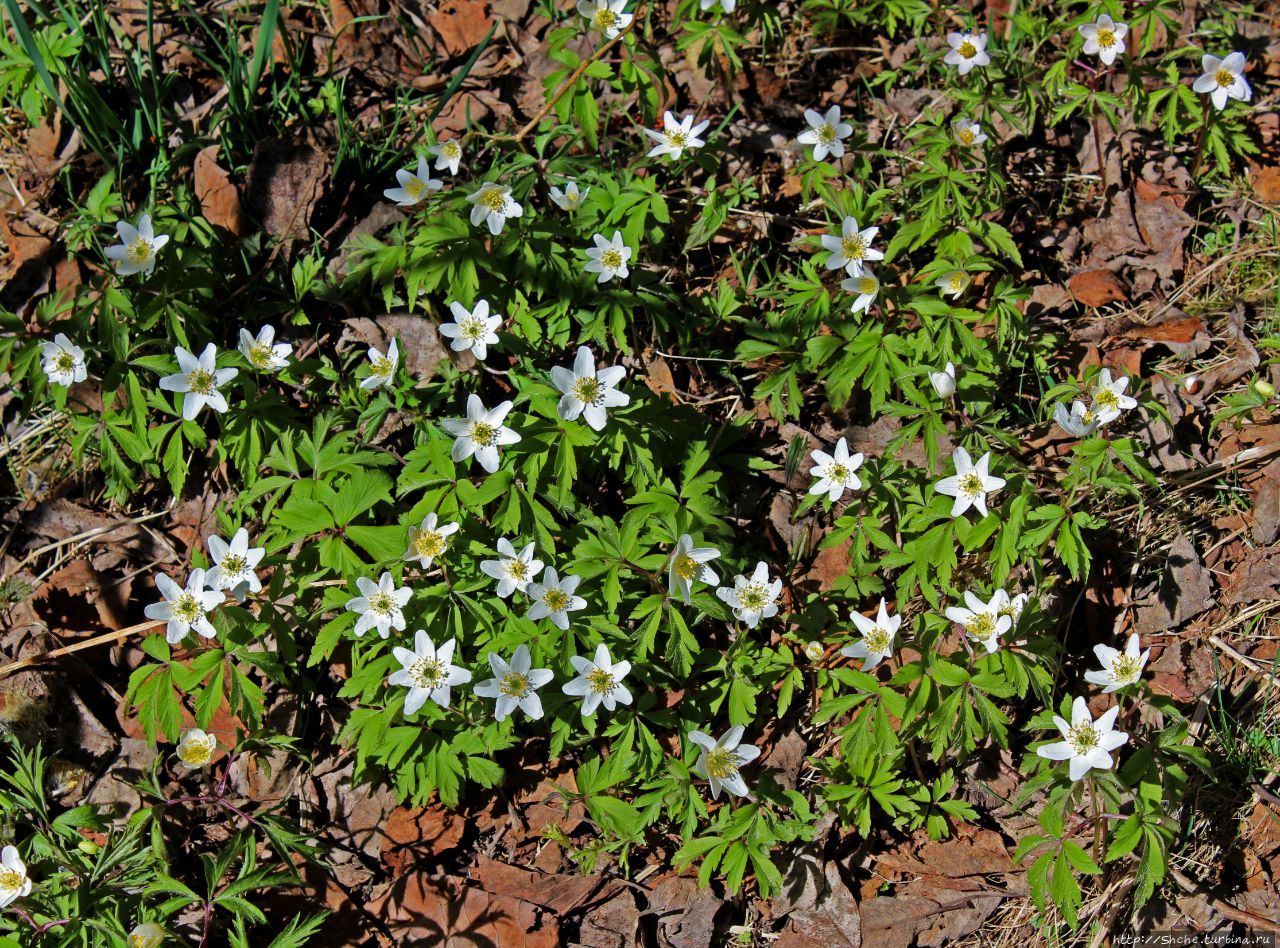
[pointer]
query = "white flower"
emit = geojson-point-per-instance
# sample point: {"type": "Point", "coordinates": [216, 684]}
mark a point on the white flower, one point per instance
{"type": "Point", "coordinates": [1078, 420]}
{"type": "Point", "coordinates": [428, 541]}
{"type": "Point", "coordinates": [184, 610]}
{"type": "Point", "coordinates": [726, 5]}
{"type": "Point", "coordinates": [515, 570]}
{"type": "Point", "coordinates": [427, 671]}
{"type": "Point", "coordinates": [866, 285]}
{"type": "Point", "coordinates": [414, 185]}
{"type": "Point", "coordinates": [448, 154]}
{"type": "Point", "coordinates": [835, 473]}
{"type": "Point", "coordinates": [1087, 743]}
{"type": "Point", "coordinates": [753, 599]}
{"type": "Point", "coordinates": [515, 685]}
{"type": "Point", "coordinates": [877, 637]}
{"type": "Point", "coordinates": [264, 353]}
{"type": "Point", "coordinates": [1104, 38]}
{"type": "Point", "coordinates": [1012, 606]}
{"type": "Point", "coordinates": [14, 883]}
{"type": "Point", "coordinates": [492, 205]}
{"type": "Point", "coordinates": [944, 382]}
{"type": "Point", "coordinates": [382, 368]}
{"type": "Point", "coordinates": [234, 564]}
{"type": "Point", "coordinates": [608, 258]}
{"type": "Point", "coordinates": [146, 935]}
{"type": "Point", "coordinates": [379, 605]}
{"type": "Point", "coordinates": [554, 598]}
{"type": "Point", "coordinates": [472, 329]}
{"type": "Point", "coordinates": [970, 484]}
{"type": "Point", "coordinates": [599, 681]}
{"type": "Point", "coordinates": [587, 392]}
{"type": "Point", "coordinates": [851, 248]}
{"type": "Point", "coordinates": [1119, 669]}
{"type": "Point", "coordinates": [967, 50]}
{"type": "Point", "coordinates": [136, 252]}
{"type": "Point", "coordinates": [570, 199]}
{"type": "Point", "coordinates": [687, 564]}
{"type": "Point", "coordinates": [200, 379]}
{"type": "Point", "coordinates": [967, 131]}
{"type": "Point", "coordinates": [675, 136]}
{"type": "Point", "coordinates": [953, 283]}
{"type": "Point", "coordinates": [1223, 79]}
{"type": "Point", "coordinates": [983, 622]}
{"type": "Point", "coordinates": [720, 760]}
{"type": "Point", "coordinates": [825, 133]}
{"type": "Point", "coordinates": [1108, 396]}
{"type": "Point", "coordinates": [195, 748]}
{"type": "Point", "coordinates": [605, 16]}
{"type": "Point", "coordinates": [481, 433]}
{"type": "Point", "coordinates": [63, 361]}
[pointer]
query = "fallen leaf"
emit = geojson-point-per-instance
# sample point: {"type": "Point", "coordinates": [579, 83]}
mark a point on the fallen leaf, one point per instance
{"type": "Point", "coordinates": [1266, 184]}
{"type": "Point", "coordinates": [1185, 591]}
{"type": "Point", "coordinates": [284, 182]}
{"type": "Point", "coordinates": [559, 893]}
{"type": "Point", "coordinates": [834, 920]}
{"type": "Point", "coordinates": [449, 913]}
{"type": "Point", "coordinates": [219, 199]}
{"type": "Point", "coordinates": [461, 24]}
{"type": "Point", "coordinates": [418, 837]}
{"type": "Point", "coordinates": [686, 913]}
{"type": "Point", "coordinates": [1097, 288]}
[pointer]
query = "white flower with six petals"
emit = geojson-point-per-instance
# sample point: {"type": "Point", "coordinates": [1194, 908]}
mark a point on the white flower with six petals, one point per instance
{"type": "Point", "coordinates": [514, 685]}
{"type": "Point", "coordinates": [721, 760]}
{"type": "Point", "coordinates": [481, 433]}
{"type": "Point", "coordinates": [185, 610]}
{"type": "Point", "coordinates": [200, 380]}
{"type": "Point", "coordinates": [1223, 79]}
{"type": "Point", "coordinates": [428, 672]}
{"type": "Point", "coordinates": [599, 681]}
{"type": "Point", "coordinates": [676, 136]}
{"type": "Point", "coordinates": [1086, 743]}
{"type": "Point", "coordinates": [515, 570]}
{"type": "Point", "coordinates": [472, 329]}
{"type": "Point", "coordinates": [826, 133]}
{"type": "Point", "coordinates": [983, 622]}
{"type": "Point", "coordinates": [689, 564]}
{"type": "Point", "coordinates": [1103, 38]}
{"type": "Point", "coordinates": [414, 185]}
{"type": "Point", "coordinates": [1119, 669]}
{"type": "Point", "coordinates": [63, 361]}
{"type": "Point", "coordinates": [967, 50]}
{"type": "Point", "coordinates": [379, 605]}
{"type": "Point", "coordinates": [136, 252]}
{"type": "Point", "coordinates": [970, 484]}
{"type": "Point", "coordinates": [608, 258]}
{"type": "Point", "coordinates": [588, 392]}
{"type": "Point", "coordinates": [851, 248]}
{"type": "Point", "coordinates": [554, 598]}
{"type": "Point", "coordinates": [753, 599]}
{"type": "Point", "coordinates": [428, 540]}
{"type": "Point", "coordinates": [263, 352]}
{"type": "Point", "coordinates": [877, 637]}
{"type": "Point", "coordinates": [493, 205]}
{"type": "Point", "coordinates": [234, 564]}
{"type": "Point", "coordinates": [835, 472]}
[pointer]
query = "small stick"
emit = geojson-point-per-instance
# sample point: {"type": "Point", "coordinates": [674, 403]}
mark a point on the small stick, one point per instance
{"type": "Point", "coordinates": [22, 663]}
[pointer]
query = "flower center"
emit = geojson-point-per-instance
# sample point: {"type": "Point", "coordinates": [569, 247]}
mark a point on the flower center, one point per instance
{"type": "Point", "coordinates": [1106, 398]}
{"type": "Point", "coordinates": [260, 355]}
{"type": "Point", "coordinates": [587, 390]}
{"type": "Point", "coordinates": [957, 282]}
{"type": "Point", "coordinates": [381, 604]}
{"type": "Point", "coordinates": [472, 328]}
{"type": "Point", "coordinates": [201, 382]}
{"type": "Point", "coordinates": [877, 640]}
{"type": "Point", "coordinates": [1125, 669]}
{"type": "Point", "coordinates": [826, 133]}
{"type": "Point", "coordinates": [853, 248]}
{"type": "Point", "coordinates": [1224, 78]}
{"type": "Point", "coordinates": [557, 600]}
{"type": "Point", "coordinates": [514, 685]}
{"type": "Point", "coordinates": [139, 251]}
{"type": "Point", "coordinates": [601, 682]}
{"type": "Point", "coordinates": [414, 187]}
{"type": "Point", "coordinates": [677, 139]}
{"type": "Point", "coordinates": [186, 608]}
{"type": "Point", "coordinates": [1106, 39]}
{"type": "Point", "coordinates": [967, 50]}
{"type": "Point", "coordinates": [381, 367]}
{"type": "Point", "coordinates": [483, 433]}
{"type": "Point", "coordinates": [838, 472]}
{"type": "Point", "coordinates": [611, 259]}
{"type": "Point", "coordinates": [451, 150]}
{"type": "Point", "coordinates": [11, 879]}
{"type": "Point", "coordinates": [867, 286]}
{"type": "Point", "coordinates": [233, 565]}
{"type": "Point", "coordinates": [606, 19]}
{"type": "Point", "coordinates": [971, 485]}
{"type": "Point", "coordinates": [427, 673]}
{"type": "Point", "coordinates": [429, 544]}
{"type": "Point", "coordinates": [1083, 738]}
{"type": "Point", "coordinates": [686, 567]}
{"type": "Point", "coordinates": [518, 570]}
{"type": "Point", "coordinates": [495, 200]}
{"type": "Point", "coordinates": [753, 597]}
{"type": "Point", "coordinates": [64, 362]}
{"type": "Point", "coordinates": [196, 753]}
{"type": "Point", "coordinates": [967, 135]}
{"type": "Point", "coordinates": [721, 763]}
{"type": "Point", "coordinates": [982, 626]}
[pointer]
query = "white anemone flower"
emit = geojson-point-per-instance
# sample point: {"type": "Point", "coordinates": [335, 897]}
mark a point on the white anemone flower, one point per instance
{"type": "Point", "coordinates": [851, 248]}
{"type": "Point", "coordinates": [1109, 398]}
{"type": "Point", "coordinates": [429, 540]}
{"type": "Point", "coordinates": [554, 598]}
{"type": "Point", "coordinates": [379, 605]}
{"type": "Point", "coordinates": [146, 935]}
{"type": "Point", "coordinates": [753, 599]}
{"type": "Point", "coordinates": [1086, 743]}
{"type": "Point", "coordinates": [826, 133]}
{"type": "Point", "coordinates": [877, 637]}
{"type": "Point", "coordinates": [1012, 606]}
{"type": "Point", "coordinates": [428, 672]}
{"type": "Point", "coordinates": [944, 382]}
{"type": "Point", "coordinates": [473, 329]}
{"type": "Point", "coordinates": [196, 747]}
{"type": "Point", "coordinates": [382, 368]}
{"type": "Point", "coordinates": [136, 252]}
{"type": "Point", "coordinates": [726, 5]}
{"type": "Point", "coordinates": [588, 392]}
{"type": "Point", "coordinates": [63, 361]}
{"type": "Point", "coordinates": [514, 570]}
{"type": "Point", "coordinates": [414, 185]}
{"type": "Point", "coordinates": [676, 136]}
{"type": "Point", "coordinates": [967, 50]}
{"type": "Point", "coordinates": [571, 198]}
{"type": "Point", "coordinates": [481, 433]}
{"type": "Point", "coordinates": [262, 351]}
{"type": "Point", "coordinates": [185, 610]}
{"type": "Point", "coordinates": [200, 380]}
{"type": "Point", "coordinates": [608, 258]}
{"type": "Point", "coordinates": [1223, 79]}
{"type": "Point", "coordinates": [835, 472]}
{"type": "Point", "coordinates": [970, 484]}
{"type": "Point", "coordinates": [492, 205]}
{"type": "Point", "coordinates": [953, 283]}
{"type": "Point", "coordinates": [967, 131]}
{"type": "Point", "coordinates": [14, 882]}
{"type": "Point", "coordinates": [721, 760]}
{"type": "Point", "coordinates": [1119, 669]}
{"type": "Point", "coordinates": [1079, 420]}
{"type": "Point", "coordinates": [1104, 38]}
{"type": "Point", "coordinates": [688, 564]}
{"type": "Point", "coordinates": [606, 16]}
{"type": "Point", "coordinates": [599, 681]}
{"type": "Point", "coordinates": [983, 622]}
{"type": "Point", "coordinates": [234, 564]}
{"type": "Point", "coordinates": [515, 685]}
{"type": "Point", "coordinates": [867, 287]}
{"type": "Point", "coordinates": [448, 154]}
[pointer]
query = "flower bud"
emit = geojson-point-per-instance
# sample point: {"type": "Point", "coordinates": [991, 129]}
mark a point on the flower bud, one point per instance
{"type": "Point", "coordinates": [1264, 388]}
{"type": "Point", "coordinates": [88, 847]}
{"type": "Point", "coordinates": [814, 651]}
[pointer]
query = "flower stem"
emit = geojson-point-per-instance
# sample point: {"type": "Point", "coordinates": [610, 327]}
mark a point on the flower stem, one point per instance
{"type": "Point", "coordinates": [1202, 138]}
{"type": "Point", "coordinates": [1097, 820]}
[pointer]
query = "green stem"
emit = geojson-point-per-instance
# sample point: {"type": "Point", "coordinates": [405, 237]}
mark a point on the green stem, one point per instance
{"type": "Point", "coordinates": [1202, 138]}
